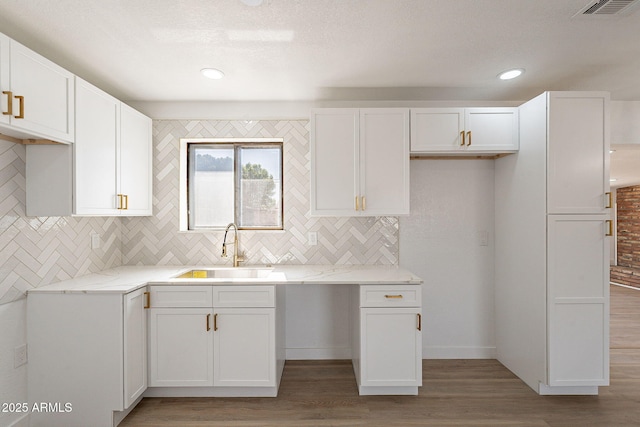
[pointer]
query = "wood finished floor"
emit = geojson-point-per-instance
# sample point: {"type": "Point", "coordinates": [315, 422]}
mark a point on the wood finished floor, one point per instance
{"type": "Point", "coordinates": [454, 393]}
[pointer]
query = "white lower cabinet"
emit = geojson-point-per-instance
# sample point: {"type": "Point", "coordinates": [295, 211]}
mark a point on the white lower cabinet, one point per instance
{"type": "Point", "coordinates": [180, 347]}
{"type": "Point", "coordinates": [244, 347]}
{"type": "Point", "coordinates": [87, 354]}
{"type": "Point", "coordinates": [387, 349]}
{"type": "Point", "coordinates": [215, 340]}
{"type": "Point", "coordinates": [135, 346]}
{"type": "Point", "coordinates": [578, 304]}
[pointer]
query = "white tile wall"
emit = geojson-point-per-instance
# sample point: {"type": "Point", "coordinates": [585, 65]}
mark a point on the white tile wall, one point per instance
{"type": "Point", "coordinates": [156, 240]}
{"type": "Point", "coordinates": [38, 251]}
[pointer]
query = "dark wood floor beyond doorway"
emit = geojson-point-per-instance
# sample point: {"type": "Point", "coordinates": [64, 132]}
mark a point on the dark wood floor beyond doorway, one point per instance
{"type": "Point", "coordinates": [455, 393]}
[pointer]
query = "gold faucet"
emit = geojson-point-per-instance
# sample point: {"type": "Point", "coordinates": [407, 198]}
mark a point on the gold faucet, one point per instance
{"type": "Point", "coordinates": [236, 258]}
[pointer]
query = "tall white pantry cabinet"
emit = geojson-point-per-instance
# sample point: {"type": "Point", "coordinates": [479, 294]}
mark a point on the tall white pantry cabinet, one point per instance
{"type": "Point", "coordinates": [552, 228]}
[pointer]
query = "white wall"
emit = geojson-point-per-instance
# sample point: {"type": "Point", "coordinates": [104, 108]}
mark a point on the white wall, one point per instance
{"type": "Point", "coordinates": [452, 206]}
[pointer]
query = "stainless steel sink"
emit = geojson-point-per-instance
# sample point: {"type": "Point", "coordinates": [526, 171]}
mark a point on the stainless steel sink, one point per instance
{"type": "Point", "coordinates": [227, 273]}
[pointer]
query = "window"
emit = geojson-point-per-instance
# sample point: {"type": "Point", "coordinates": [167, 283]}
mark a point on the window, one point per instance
{"type": "Point", "coordinates": [228, 180]}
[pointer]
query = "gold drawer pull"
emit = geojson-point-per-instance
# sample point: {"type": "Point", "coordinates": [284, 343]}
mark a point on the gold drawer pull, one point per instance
{"type": "Point", "coordinates": [215, 322]}
{"type": "Point", "coordinates": [357, 203]}
{"type": "Point", "coordinates": [393, 296]}
{"type": "Point", "coordinates": [126, 201]}
{"type": "Point", "coordinates": [462, 144]}
{"type": "Point", "coordinates": [419, 321]}
{"type": "Point", "coordinates": [147, 303]}
{"type": "Point", "coordinates": [609, 228]}
{"type": "Point", "coordinates": [609, 200]}
{"type": "Point", "coordinates": [208, 324]}
{"type": "Point", "coordinates": [469, 135]}
{"type": "Point", "coordinates": [364, 203]}
{"type": "Point", "coordinates": [9, 111]}
{"type": "Point", "coordinates": [21, 99]}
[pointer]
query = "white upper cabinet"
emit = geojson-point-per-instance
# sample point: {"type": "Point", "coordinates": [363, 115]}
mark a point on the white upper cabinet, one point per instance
{"type": "Point", "coordinates": [359, 162]}
{"type": "Point", "coordinates": [37, 95]}
{"type": "Point", "coordinates": [4, 80]}
{"type": "Point", "coordinates": [578, 152]}
{"type": "Point", "coordinates": [112, 156]}
{"type": "Point", "coordinates": [111, 162]}
{"type": "Point", "coordinates": [464, 131]}
{"type": "Point", "coordinates": [136, 169]}
{"type": "Point", "coordinates": [95, 160]}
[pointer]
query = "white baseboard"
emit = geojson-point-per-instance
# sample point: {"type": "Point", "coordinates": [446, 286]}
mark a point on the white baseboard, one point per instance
{"type": "Point", "coordinates": [317, 353]}
{"type": "Point", "coordinates": [458, 352]}
{"type": "Point", "coordinates": [545, 390]}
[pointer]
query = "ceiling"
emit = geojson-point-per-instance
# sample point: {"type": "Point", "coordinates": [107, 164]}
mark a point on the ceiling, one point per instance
{"type": "Point", "coordinates": [291, 50]}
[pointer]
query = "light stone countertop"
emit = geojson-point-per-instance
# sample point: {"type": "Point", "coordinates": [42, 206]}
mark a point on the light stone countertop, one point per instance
{"type": "Point", "coordinates": [129, 278]}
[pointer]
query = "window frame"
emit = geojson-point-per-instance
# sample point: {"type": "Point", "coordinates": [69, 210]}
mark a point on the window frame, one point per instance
{"type": "Point", "coordinates": [229, 142]}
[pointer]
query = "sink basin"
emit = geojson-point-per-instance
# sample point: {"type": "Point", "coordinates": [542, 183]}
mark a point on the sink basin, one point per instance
{"type": "Point", "coordinates": [227, 273]}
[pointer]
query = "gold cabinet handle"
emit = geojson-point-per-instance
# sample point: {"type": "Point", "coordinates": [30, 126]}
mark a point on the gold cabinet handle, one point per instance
{"type": "Point", "coordinates": [393, 296]}
{"type": "Point", "coordinates": [357, 203]}
{"type": "Point", "coordinates": [419, 321]}
{"type": "Point", "coordinates": [364, 203]}
{"type": "Point", "coordinates": [469, 135]}
{"type": "Point", "coordinates": [462, 138]}
{"type": "Point", "coordinates": [609, 227]}
{"type": "Point", "coordinates": [147, 302]}
{"type": "Point", "coordinates": [609, 200]}
{"type": "Point", "coordinates": [21, 99]}
{"type": "Point", "coordinates": [126, 201]}
{"type": "Point", "coordinates": [208, 324]}
{"type": "Point", "coordinates": [119, 201]}
{"type": "Point", "coordinates": [9, 111]}
{"type": "Point", "coordinates": [215, 322]}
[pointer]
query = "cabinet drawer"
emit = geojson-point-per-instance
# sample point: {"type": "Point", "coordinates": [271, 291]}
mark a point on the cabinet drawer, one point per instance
{"type": "Point", "coordinates": [390, 296]}
{"type": "Point", "coordinates": [180, 296]}
{"type": "Point", "coordinates": [244, 296]}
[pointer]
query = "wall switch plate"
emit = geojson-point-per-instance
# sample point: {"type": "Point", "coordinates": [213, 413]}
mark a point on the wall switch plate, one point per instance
{"type": "Point", "coordinates": [483, 238]}
{"type": "Point", "coordinates": [95, 241]}
{"type": "Point", "coordinates": [20, 355]}
{"type": "Point", "coordinates": [312, 238]}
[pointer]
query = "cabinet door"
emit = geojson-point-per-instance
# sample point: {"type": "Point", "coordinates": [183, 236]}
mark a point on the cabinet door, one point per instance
{"type": "Point", "coordinates": [4, 78]}
{"type": "Point", "coordinates": [47, 92]}
{"type": "Point", "coordinates": [135, 346]}
{"type": "Point", "coordinates": [384, 161]}
{"type": "Point", "coordinates": [436, 129]}
{"type": "Point", "coordinates": [180, 347]}
{"type": "Point", "coordinates": [136, 174]}
{"type": "Point", "coordinates": [95, 162]}
{"type": "Point", "coordinates": [491, 129]}
{"type": "Point", "coordinates": [334, 161]}
{"type": "Point", "coordinates": [578, 300]}
{"type": "Point", "coordinates": [578, 144]}
{"type": "Point", "coordinates": [244, 347]}
{"type": "Point", "coordinates": [391, 345]}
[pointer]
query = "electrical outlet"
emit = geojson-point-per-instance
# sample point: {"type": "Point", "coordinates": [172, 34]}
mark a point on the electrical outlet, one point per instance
{"type": "Point", "coordinates": [20, 355]}
{"type": "Point", "coordinates": [312, 238]}
{"type": "Point", "coordinates": [95, 241]}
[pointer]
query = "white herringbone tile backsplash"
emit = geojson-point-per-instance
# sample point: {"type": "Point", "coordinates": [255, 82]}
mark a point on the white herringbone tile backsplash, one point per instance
{"type": "Point", "coordinates": [156, 240]}
{"type": "Point", "coordinates": [38, 251]}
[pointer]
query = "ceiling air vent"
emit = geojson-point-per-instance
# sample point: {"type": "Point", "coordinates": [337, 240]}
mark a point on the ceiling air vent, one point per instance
{"type": "Point", "coordinates": [608, 7]}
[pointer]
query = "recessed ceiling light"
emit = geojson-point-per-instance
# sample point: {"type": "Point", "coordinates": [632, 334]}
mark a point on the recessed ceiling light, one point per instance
{"type": "Point", "coordinates": [612, 180]}
{"type": "Point", "coordinates": [510, 74]}
{"type": "Point", "coordinates": [612, 151]}
{"type": "Point", "coordinates": [212, 73]}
